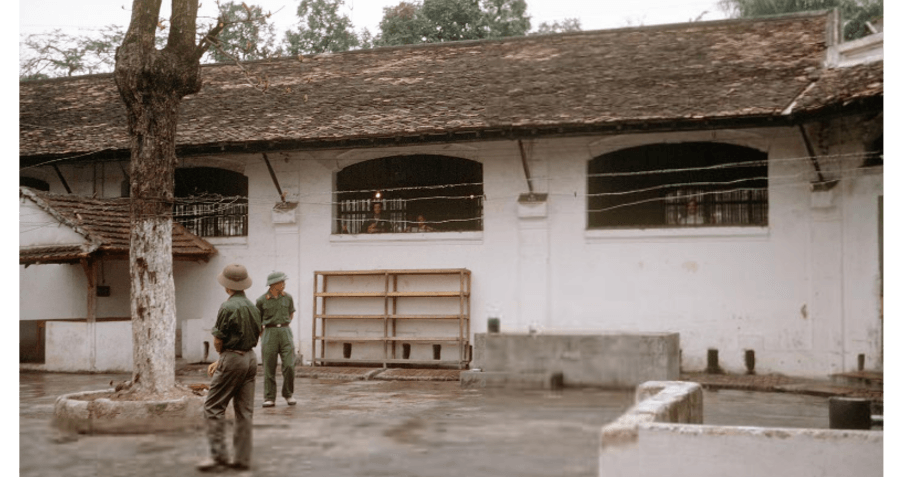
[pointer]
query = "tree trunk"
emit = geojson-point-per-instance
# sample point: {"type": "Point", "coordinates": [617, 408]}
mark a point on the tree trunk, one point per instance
{"type": "Point", "coordinates": [150, 259]}
{"type": "Point", "coordinates": [152, 83]}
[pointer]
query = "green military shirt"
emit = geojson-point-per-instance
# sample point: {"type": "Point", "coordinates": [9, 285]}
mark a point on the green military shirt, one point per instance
{"type": "Point", "coordinates": [275, 311]}
{"type": "Point", "coordinates": [238, 324]}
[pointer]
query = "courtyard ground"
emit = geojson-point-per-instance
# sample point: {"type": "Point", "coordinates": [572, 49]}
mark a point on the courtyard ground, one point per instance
{"type": "Point", "coordinates": [395, 423]}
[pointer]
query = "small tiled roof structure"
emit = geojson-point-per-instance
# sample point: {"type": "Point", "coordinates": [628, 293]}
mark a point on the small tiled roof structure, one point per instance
{"type": "Point", "coordinates": [682, 76]}
{"type": "Point", "coordinates": [105, 225]}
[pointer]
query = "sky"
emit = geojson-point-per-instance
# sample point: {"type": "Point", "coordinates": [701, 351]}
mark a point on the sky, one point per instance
{"type": "Point", "coordinates": [83, 16]}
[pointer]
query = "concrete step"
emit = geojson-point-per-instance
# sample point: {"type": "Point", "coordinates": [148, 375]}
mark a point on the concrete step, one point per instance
{"type": "Point", "coordinates": [863, 379]}
{"type": "Point", "coordinates": [510, 380]}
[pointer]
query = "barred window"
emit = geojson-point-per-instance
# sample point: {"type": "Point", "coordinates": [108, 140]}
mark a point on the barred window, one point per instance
{"type": "Point", "coordinates": [417, 193]}
{"type": "Point", "coordinates": [211, 202]}
{"type": "Point", "coordinates": [678, 185]}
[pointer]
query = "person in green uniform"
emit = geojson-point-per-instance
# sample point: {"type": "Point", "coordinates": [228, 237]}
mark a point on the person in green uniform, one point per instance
{"type": "Point", "coordinates": [276, 308]}
{"type": "Point", "coordinates": [236, 333]}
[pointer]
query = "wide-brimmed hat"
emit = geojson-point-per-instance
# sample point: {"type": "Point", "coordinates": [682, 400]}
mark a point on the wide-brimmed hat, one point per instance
{"type": "Point", "coordinates": [275, 277]}
{"type": "Point", "coordinates": [235, 277]}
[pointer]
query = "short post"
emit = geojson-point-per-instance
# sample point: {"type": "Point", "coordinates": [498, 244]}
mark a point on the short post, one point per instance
{"type": "Point", "coordinates": [348, 348]}
{"type": "Point", "coordinates": [849, 413]}
{"type": "Point", "coordinates": [493, 325]}
{"type": "Point", "coordinates": [750, 361]}
{"type": "Point", "coordinates": [712, 361]}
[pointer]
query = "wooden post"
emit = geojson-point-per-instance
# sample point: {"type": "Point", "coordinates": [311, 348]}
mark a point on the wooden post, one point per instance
{"type": "Point", "coordinates": [90, 271]}
{"type": "Point", "coordinates": [315, 311]}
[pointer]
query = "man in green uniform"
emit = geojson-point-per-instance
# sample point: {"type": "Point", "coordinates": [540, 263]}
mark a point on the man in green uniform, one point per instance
{"type": "Point", "coordinates": [276, 308]}
{"type": "Point", "coordinates": [233, 375]}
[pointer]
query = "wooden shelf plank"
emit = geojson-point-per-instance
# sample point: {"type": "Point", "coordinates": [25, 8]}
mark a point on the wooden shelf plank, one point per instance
{"type": "Point", "coordinates": [438, 271]}
{"type": "Point", "coordinates": [351, 273]}
{"type": "Point", "coordinates": [349, 338]}
{"type": "Point", "coordinates": [426, 317]}
{"type": "Point", "coordinates": [352, 317]}
{"type": "Point", "coordinates": [448, 294]}
{"type": "Point", "coordinates": [351, 295]}
{"type": "Point", "coordinates": [393, 317]}
{"type": "Point", "coordinates": [391, 361]}
{"type": "Point", "coordinates": [440, 339]}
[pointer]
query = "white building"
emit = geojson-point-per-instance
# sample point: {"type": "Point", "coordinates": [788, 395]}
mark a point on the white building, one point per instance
{"type": "Point", "coordinates": [580, 155]}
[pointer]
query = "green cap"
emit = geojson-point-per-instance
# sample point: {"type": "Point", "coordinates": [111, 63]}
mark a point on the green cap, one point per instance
{"type": "Point", "coordinates": [275, 277]}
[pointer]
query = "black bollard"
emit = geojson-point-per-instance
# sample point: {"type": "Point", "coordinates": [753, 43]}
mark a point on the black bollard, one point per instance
{"type": "Point", "coordinates": [861, 362]}
{"type": "Point", "coordinates": [406, 349]}
{"type": "Point", "coordinates": [556, 381]}
{"type": "Point", "coordinates": [750, 361]}
{"type": "Point", "coordinates": [493, 325]}
{"type": "Point", "coordinates": [849, 413]}
{"type": "Point", "coordinates": [348, 348]}
{"type": "Point", "coordinates": [436, 351]}
{"type": "Point", "coordinates": [712, 361]}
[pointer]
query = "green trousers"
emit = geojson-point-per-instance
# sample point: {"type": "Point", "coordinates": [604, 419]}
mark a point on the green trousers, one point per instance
{"type": "Point", "coordinates": [235, 381]}
{"type": "Point", "coordinates": [278, 342]}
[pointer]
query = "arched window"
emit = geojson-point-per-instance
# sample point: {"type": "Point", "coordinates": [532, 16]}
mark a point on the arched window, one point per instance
{"type": "Point", "coordinates": [211, 202]}
{"type": "Point", "coordinates": [874, 153]}
{"type": "Point", "coordinates": [678, 185]}
{"type": "Point", "coordinates": [420, 193]}
{"type": "Point", "coordinates": [36, 184]}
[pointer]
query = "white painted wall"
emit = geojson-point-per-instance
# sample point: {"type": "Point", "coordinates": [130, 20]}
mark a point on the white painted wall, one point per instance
{"type": "Point", "coordinates": [38, 228]}
{"type": "Point", "coordinates": [661, 435]}
{"type": "Point", "coordinates": [802, 292]}
{"type": "Point", "coordinates": [114, 346]}
{"type": "Point", "coordinates": [69, 344]}
{"type": "Point", "coordinates": [774, 452]}
{"type": "Point", "coordinates": [68, 347]}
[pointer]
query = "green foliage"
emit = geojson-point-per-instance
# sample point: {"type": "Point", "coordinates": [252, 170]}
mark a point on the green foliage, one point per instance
{"type": "Point", "coordinates": [566, 26]}
{"type": "Point", "coordinates": [247, 34]}
{"type": "Point", "coordinates": [854, 13]}
{"type": "Point", "coordinates": [433, 21]}
{"type": "Point", "coordinates": [54, 54]}
{"type": "Point", "coordinates": [321, 29]}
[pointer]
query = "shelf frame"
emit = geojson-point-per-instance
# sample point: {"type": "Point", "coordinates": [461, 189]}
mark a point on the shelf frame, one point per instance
{"type": "Point", "coordinates": [391, 295]}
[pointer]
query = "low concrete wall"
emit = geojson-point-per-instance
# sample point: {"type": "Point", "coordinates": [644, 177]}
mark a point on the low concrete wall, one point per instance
{"type": "Point", "coordinates": [662, 432]}
{"type": "Point", "coordinates": [620, 360]}
{"type": "Point", "coordinates": [69, 345]}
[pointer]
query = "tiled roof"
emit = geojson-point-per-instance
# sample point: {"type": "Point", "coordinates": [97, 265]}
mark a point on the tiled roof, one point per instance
{"type": "Point", "coordinates": [106, 225]}
{"type": "Point", "coordinates": [705, 71]}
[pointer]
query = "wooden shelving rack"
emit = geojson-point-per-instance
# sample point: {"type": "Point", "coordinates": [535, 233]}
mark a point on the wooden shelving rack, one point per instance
{"type": "Point", "coordinates": [356, 291]}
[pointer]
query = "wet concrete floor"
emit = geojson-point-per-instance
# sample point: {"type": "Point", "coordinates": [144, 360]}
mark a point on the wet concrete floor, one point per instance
{"type": "Point", "coordinates": [380, 428]}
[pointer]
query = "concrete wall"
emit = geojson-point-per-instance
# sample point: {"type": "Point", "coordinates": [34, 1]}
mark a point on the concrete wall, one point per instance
{"type": "Point", "coordinates": [589, 359]}
{"type": "Point", "coordinates": [803, 292]}
{"type": "Point", "coordinates": [79, 346]}
{"type": "Point", "coordinates": [646, 441]}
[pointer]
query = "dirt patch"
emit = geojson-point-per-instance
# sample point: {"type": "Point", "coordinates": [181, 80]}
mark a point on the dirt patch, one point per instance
{"type": "Point", "coordinates": [138, 394]}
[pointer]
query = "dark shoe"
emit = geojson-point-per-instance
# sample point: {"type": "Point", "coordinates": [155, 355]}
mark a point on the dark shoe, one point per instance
{"type": "Point", "coordinates": [239, 466]}
{"type": "Point", "coordinates": [212, 466]}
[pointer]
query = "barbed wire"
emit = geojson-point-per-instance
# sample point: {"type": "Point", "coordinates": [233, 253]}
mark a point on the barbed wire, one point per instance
{"type": "Point", "coordinates": [219, 205]}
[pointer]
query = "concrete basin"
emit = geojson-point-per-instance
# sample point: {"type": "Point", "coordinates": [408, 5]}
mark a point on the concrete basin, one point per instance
{"type": "Point", "coordinates": [92, 412]}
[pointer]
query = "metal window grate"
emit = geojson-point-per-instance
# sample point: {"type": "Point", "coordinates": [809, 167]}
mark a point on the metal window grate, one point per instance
{"type": "Point", "coordinates": [213, 219]}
